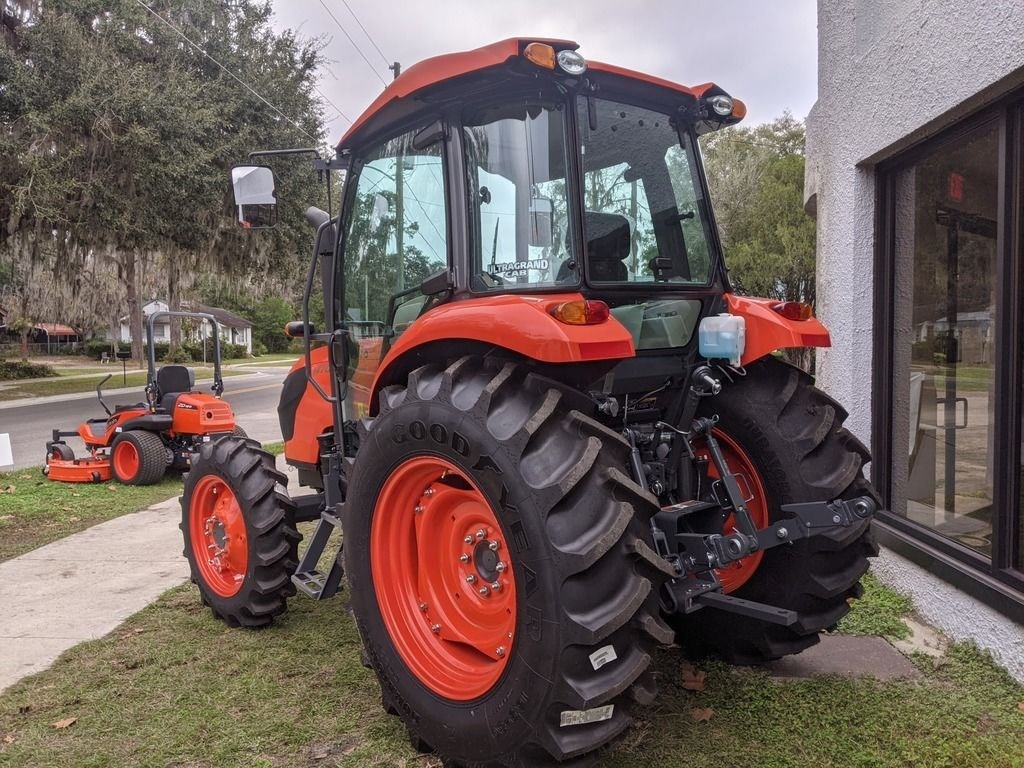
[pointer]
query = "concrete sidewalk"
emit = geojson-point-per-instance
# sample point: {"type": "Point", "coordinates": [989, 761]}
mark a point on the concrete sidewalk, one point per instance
{"type": "Point", "coordinates": [83, 586]}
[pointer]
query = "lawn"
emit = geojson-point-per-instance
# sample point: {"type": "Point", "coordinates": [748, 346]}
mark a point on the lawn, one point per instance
{"type": "Point", "coordinates": [63, 385]}
{"type": "Point", "coordinates": [174, 687]}
{"type": "Point", "coordinates": [35, 511]}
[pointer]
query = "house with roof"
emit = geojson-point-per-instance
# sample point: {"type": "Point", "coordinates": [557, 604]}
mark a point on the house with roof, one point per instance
{"type": "Point", "coordinates": [915, 174]}
{"type": "Point", "coordinates": [234, 329]}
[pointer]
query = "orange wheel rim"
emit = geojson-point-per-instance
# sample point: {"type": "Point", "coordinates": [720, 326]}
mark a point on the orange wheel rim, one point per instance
{"type": "Point", "coordinates": [126, 459]}
{"type": "Point", "coordinates": [736, 574]}
{"type": "Point", "coordinates": [443, 577]}
{"type": "Point", "coordinates": [220, 543]}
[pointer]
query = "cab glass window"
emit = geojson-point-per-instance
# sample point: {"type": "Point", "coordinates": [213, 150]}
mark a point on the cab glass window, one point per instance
{"type": "Point", "coordinates": [518, 197]}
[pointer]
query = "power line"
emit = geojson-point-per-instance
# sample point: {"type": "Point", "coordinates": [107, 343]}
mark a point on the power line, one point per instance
{"type": "Point", "coordinates": [369, 37]}
{"type": "Point", "coordinates": [354, 45]}
{"type": "Point", "coordinates": [227, 71]}
{"type": "Point", "coordinates": [328, 100]}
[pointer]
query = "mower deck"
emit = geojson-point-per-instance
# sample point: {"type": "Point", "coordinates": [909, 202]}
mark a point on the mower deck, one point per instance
{"type": "Point", "coordinates": [91, 469]}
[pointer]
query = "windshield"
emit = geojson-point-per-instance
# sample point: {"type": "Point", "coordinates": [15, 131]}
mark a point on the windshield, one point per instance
{"type": "Point", "coordinates": [646, 218]}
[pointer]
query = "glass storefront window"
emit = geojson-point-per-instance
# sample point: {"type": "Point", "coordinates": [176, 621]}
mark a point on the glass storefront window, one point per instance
{"type": "Point", "coordinates": [946, 220]}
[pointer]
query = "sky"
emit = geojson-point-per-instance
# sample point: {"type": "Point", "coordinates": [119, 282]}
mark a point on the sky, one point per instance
{"type": "Point", "coordinates": [764, 53]}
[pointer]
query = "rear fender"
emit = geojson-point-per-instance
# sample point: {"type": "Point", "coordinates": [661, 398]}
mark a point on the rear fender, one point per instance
{"type": "Point", "coordinates": [521, 324]}
{"type": "Point", "coordinates": [768, 331]}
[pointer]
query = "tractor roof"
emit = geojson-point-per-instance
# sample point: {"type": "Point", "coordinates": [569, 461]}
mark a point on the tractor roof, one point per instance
{"type": "Point", "coordinates": [449, 67]}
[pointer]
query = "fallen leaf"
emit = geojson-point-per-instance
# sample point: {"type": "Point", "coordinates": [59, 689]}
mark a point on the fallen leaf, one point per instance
{"type": "Point", "coordinates": [9, 738]}
{"type": "Point", "coordinates": [8, 489]}
{"type": "Point", "coordinates": [65, 723]}
{"type": "Point", "coordinates": [692, 678]}
{"type": "Point", "coordinates": [111, 487]}
{"type": "Point", "coordinates": [1020, 706]}
{"type": "Point", "coordinates": [701, 714]}
{"type": "Point", "coordinates": [25, 709]}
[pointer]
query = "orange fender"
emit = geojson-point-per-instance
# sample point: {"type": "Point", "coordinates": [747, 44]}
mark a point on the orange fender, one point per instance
{"type": "Point", "coordinates": [520, 323]}
{"type": "Point", "coordinates": [767, 330]}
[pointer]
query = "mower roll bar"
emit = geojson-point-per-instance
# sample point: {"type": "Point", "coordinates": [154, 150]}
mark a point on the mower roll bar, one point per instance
{"type": "Point", "coordinates": [218, 381]}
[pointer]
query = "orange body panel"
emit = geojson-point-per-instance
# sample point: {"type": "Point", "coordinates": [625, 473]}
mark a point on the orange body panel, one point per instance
{"type": "Point", "coordinates": [313, 416]}
{"type": "Point", "coordinates": [201, 414]}
{"type": "Point", "coordinates": [520, 323]}
{"type": "Point", "coordinates": [105, 439]}
{"type": "Point", "coordinates": [767, 330]}
{"type": "Point", "coordinates": [89, 469]}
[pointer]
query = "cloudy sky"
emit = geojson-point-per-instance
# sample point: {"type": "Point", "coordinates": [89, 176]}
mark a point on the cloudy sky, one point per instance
{"type": "Point", "coordinates": [762, 52]}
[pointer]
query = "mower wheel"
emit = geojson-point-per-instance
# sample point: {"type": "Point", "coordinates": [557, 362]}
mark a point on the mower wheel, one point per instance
{"type": "Point", "coordinates": [786, 439]}
{"type": "Point", "coordinates": [60, 452]}
{"type": "Point", "coordinates": [239, 531]}
{"type": "Point", "coordinates": [501, 568]}
{"type": "Point", "coordinates": [138, 458]}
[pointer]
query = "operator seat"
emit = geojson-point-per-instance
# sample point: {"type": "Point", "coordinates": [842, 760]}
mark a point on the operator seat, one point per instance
{"type": "Point", "coordinates": [608, 245]}
{"type": "Point", "coordinates": [172, 380]}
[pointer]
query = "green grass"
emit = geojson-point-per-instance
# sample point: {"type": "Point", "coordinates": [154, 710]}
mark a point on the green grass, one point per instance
{"type": "Point", "coordinates": [64, 385]}
{"type": "Point", "coordinates": [35, 511]}
{"type": "Point", "coordinates": [878, 612]}
{"type": "Point", "coordinates": [172, 686]}
{"type": "Point", "coordinates": [275, 448]}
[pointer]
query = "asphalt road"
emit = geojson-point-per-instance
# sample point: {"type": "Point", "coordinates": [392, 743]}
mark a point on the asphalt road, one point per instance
{"type": "Point", "coordinates": [252, 396]}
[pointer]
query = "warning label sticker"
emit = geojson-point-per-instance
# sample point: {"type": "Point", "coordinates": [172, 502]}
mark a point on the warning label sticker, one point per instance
{"type": "Point", "coordinates": [602, 656]}
{"type": "Point", "coordinates": [584, 716]}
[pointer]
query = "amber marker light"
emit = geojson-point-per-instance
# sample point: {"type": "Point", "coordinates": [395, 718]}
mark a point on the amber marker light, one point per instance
{"type": "Point", "coordinates": [739, 109]}
{"type": "Point", "coordinates": [793, 310]}
{"type": "Point", "coordinates": [541, 54]}
{"type": "Point", "coordinates": [581, 312]}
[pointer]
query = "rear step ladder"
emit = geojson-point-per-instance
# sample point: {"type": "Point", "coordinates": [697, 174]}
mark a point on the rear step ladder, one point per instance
{"type": "Point", "coordinates": [306, 578]}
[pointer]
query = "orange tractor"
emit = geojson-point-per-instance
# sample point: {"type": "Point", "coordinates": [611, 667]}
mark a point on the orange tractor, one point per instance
{"type": "Point", "coordinates": [137, 444]}
{"type": "Point", "coordinates": [554, 437]}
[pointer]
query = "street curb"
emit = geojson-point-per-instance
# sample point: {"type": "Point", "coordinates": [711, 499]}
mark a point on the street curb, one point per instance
{"type": "Point", "coordinates": [23, 402]}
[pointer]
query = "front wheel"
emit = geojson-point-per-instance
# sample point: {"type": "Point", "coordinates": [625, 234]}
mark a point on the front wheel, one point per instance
{"type": "Point", "coordinates": [239, 532]}
{"type": "Point", "coordinates": [501, 569]}
{"type": "Point", "coordinates": [785, 439]}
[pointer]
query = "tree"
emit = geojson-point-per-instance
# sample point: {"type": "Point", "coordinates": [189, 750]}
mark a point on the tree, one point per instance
{"type": "Point", "coordinates": [269, 318]}
{"type": "Point", "coordinates": [757, 178]}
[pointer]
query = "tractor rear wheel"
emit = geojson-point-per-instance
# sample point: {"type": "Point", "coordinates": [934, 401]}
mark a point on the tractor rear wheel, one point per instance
{"type": "Point", "coordinates": [138, 458]}
{"type": "Point", "coordinates": [239, 530]}
{"type": "Point", "coordinates": [501, 568]}
{"type": "Point", "coordinates": [786, 439]}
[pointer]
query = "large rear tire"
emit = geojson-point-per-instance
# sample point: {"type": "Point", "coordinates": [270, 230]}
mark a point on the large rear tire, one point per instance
{"type": "Point", "coordinates": [793, 436]}
{"type": "Point", "coordinates": [477, 461]}
{"type": "Point", "coordinates": [239, 531]}
{"type": "Point", "coordinates": [138, 458]}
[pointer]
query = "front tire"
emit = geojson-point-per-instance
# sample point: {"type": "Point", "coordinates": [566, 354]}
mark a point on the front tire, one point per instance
{"type": "Point", "coordinates": [239, 531]}
{"type": "Point", "coordinates": [791, 436]}
{"type": "Point", "coordinates": [547, 667]}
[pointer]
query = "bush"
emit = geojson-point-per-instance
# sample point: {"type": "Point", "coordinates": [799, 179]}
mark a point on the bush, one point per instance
{"type": "Point", "coordinates": [258, 348]}
{"type": "Point", "coordinates": [95, 348]}
{"type": "Point", "coordinates": [16, 369]}
{"type": "Point", "coordinates": [180, 356]}
{"type": "Point", "coordinates": [229, 351]}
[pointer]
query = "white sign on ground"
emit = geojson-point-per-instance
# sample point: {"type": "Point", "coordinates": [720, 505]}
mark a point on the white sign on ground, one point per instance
{"type": "Point", "coordinates": [6, 454]}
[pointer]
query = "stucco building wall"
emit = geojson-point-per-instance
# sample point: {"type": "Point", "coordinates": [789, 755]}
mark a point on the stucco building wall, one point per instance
{"type": "Point", "coordinates": [891, 73]}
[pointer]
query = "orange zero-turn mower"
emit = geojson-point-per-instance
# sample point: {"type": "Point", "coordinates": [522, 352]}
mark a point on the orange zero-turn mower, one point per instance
{"type": "Point", "coordinates": [137, 444]}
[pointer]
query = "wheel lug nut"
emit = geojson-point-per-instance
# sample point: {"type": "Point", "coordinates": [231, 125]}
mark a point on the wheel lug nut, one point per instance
{"type": "Point", "coordinates": [428, 492]}
{"type": "Point", "coordinates": [418, 509]}
{"type": "Point", "coordinates": [481, 533]}
{"type": "Point", "coordinates": [501, 651]}
{"type": "Point", "coordinates": [435, 628]}
{"type": "Point", "coordinates": [484, 591]}
{"type": "Point", "coordinates": [423, 607]}
{"type": "Point", "coordinates": [500, 567]}
{"type": "Point", "coordinates": [496, 586]}
{"type": "Point", "coordinates": [463, 558]}
{"type": "Point", "coordinates": [493, 546]}
{"type": "Point", "coordinates": [471, 579]}
{"type": "Point", "coordinates": [468, 540]}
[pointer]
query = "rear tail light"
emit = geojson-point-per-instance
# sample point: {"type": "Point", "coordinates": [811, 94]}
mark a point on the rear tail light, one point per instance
{"type": "Point", "coordinates": [581, 312]}
{"type": "Point", "coordinates": [794, 310]}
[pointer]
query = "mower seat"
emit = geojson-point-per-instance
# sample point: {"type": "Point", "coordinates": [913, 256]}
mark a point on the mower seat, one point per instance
{"type": "Point", "coordinates": [172, 381]}
{"type": "Point", "coordinates": [608, 246]}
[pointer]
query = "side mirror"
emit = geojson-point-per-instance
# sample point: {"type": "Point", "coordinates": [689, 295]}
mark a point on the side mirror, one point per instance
{"type": "Point", "coordinates": [254, 188]}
